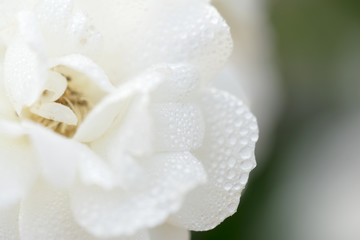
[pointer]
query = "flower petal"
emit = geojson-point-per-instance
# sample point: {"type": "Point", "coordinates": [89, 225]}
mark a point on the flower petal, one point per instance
{"type": "Point", "coordinates": [65, 32]}
{"type": "Point", "coordinates": [55, 13]}
{"type": "Point", "coordinates": [10, 129]}
{"type": "Point", "coordinates": [167, 231]}
{"type": "Point", "coordinates": [94, 171]}
{"type": "Point", "coordinates": [180, 84]}
{"type": "Point", "coordinates": [55, 86]}
{"type": "Point", "coordinates": [158, 193]}
{"type": "Point", "coordinates": [178, 126]}
{"type": "Point", "coordinates": [58, 156]}
{"type": "Point", "coordinates": [25, 64]}
{"type": "Point", "coordinates": [194, 33]}
{"type": "Point", "coordinates": [9, 229]}
{"type": "Point", "coordinates": [55, 111]}
{"type": "Point", "coordinates": [46, 214]}
{"type": "Point", "coordinates": [6, 109]}
{"type": "Point", "coordinates": [123, 18]}
{"type": "Point", "coordinates": [157, 32]}
{"type": "Point", "coordinates": [115, 104]}
{"type": "Point", "coordinates": [227, 155]}
{"type": "Point", "coordinates": [18, 169]}
{"type": "Point", "coordinates": [82, 65]}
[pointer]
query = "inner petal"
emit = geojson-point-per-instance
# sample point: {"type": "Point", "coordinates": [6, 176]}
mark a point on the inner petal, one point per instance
{"type": "Point", "coordinates": [62, 106]}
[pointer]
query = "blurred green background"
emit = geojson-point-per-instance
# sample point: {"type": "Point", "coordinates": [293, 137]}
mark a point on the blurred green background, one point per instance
{"type": "Point", "coordinates": [317, 55]}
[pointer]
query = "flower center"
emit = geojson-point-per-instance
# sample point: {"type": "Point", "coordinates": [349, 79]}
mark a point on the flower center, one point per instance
{"type": "Point", "coordinates": [76, 102]}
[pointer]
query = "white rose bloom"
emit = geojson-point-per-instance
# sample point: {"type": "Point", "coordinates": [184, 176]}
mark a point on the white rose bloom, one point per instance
{"type": "Point", "coordinates": [109, 126]}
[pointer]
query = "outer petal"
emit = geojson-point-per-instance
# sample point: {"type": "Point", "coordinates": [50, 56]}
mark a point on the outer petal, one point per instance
{"type": "Point", "coordinates": [153, 32]}
{"type": "Point", "coordinates": [46, 214]}
{"type": "Point", "coordinates": [65, 32]}
{"type": "Point", "coordinates": [9, 228]}
{"type": "Point", "coordinates": [182, 81]}
{"type": "Point", "coordinates": [17, 171]}
{"type": "Point", "coordinates": [227, 155]}
{"type": "Point", "coordinates": [192, 32]}
{"type": "Point", "coordinates": [54, 12]}
{"type": "Point", "coordinates": [167, 231]}
{"type": "Point", "coordinates": [58, 156]}
{"type": "Point", "coordinates": [177, 127]}
{"type": "Point", "coordinates": [159, 192]}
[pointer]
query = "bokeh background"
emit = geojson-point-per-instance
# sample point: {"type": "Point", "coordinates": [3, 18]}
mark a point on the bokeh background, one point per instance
{"type": "Point", "coordinates": [297, 64]}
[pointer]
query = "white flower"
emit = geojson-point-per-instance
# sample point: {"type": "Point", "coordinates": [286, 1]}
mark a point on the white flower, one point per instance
{"type": "Point", "coordinates": [109, 126]}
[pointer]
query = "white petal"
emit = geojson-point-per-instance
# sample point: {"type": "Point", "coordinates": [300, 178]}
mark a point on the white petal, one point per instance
{"type": "Point", "coordinates": [227, 155]}
{"type": "Point", "coordinates": [25, 64]}
{"type": "Point", "coordinates": [115, 104]}
{"type": "Point", "coordinates": [9, 228]}
{"type": "Point", "coordinates": [85, 38]}
{"type": "Point", "coordinates": [130, 136]}
{"type": "Point", "coordinates": [158, 193]}
{"type": "Point", "coordinates": [55, 111]}
{"type": "Point", "coordinates": [94, 171]}
{"type": "Point", "coordinates": [58, 156]}
{"type": "Point", "coordinates": [167, 231]}
{"type": "Point", "coordinates": [178, 127]}
{"type": "Point", "coordinates": [65, 32]}
{"type": "Point", "coordinates": [120, 29]}
{"type": "Point", "coordinates": [45, 214]}
{"type": "Point", "coordinates": [18, 170]}
{"type": "Point", "coordinates": [24, 74]}
{"type": "Point", "coordinates": [55, 85]}
{"type": "Point", "coordinates": [54, 13]}
{"type": "Point", "coordinates": [157, 32]}
{"type": "Point", "coordinates": [29, 30]}
{"type": "Point", "coordinates": [82, 65]}
{"type": "Point", "coordinates": [194, 33]}
{"type": "Point", "coordinates": [6, 109]}
{"type": "Point", "coordinates": [134, 135]}
{"type": "Point", "coordinates": [180, 83]}
{"type": "Point", "coordinates": [10, 128]}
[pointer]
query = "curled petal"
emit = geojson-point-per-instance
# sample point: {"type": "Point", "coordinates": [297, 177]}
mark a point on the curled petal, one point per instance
{"type": "Point", "coordinates": [158, 193]}
{"type": "Point", "coordinates": [55, 87]}
{"type": "Point", "coordinates": [227, 155]}
{"type": "Point", "coordinates": [55, 111]}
